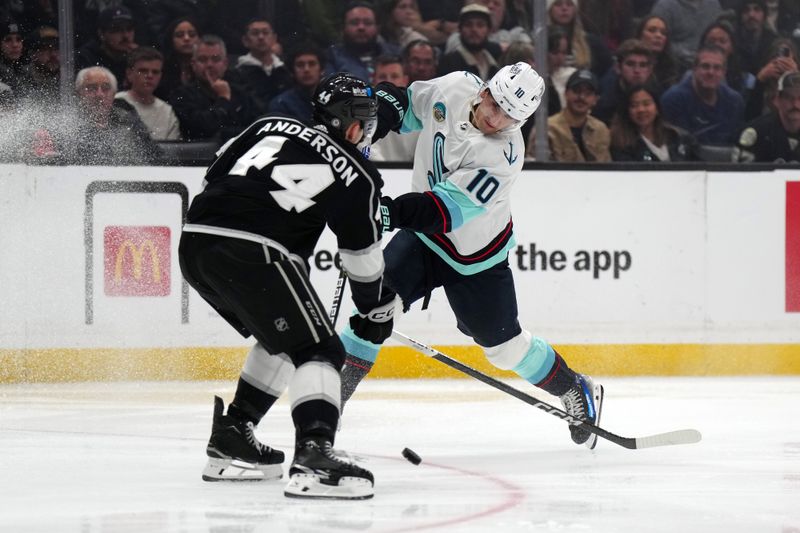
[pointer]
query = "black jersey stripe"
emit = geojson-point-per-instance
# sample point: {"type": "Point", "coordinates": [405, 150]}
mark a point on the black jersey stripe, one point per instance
{"type": "Point", "coordinates": [447, 246]}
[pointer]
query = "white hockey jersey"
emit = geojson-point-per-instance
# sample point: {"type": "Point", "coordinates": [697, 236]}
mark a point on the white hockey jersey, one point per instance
{"type": "Point", "coordinates": [471, 173]}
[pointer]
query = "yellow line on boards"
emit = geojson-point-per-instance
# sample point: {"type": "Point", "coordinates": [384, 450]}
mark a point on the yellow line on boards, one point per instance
{"type": "Point", "coordinates": [191, 364]}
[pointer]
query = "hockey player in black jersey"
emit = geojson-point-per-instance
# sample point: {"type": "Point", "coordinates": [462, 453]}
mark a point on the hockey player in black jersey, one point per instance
{"type": "Point", "coordinates": [245, 250]}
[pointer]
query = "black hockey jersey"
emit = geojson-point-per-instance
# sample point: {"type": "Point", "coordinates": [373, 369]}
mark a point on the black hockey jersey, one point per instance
{"type": "Point", "coordinates": [285, 181]}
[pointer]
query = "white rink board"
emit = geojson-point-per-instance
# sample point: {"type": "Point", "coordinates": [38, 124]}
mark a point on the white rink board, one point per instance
{"type": "Point", "coordinates": [700, 260]}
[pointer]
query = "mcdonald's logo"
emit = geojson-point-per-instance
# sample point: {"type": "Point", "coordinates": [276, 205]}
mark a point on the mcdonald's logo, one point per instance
{"type": "Point", "coordinates": [137, 260]}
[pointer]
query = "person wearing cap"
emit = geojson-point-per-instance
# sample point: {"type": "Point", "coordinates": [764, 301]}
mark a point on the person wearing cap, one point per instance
{"type": "Point", "coordinates": [361, 43]}
{"type": "Point", "coordinates": [502, 30]}
{"type": "Point", "coordinates": [702, 104]}
{"type": "Point", "coordinates": [39, 81]}
{"type": "Point", "coordinates": [774, 137]}
{"type": "Point", "coordinates": [573, 134]}
{"type": "Point", "coordinates": [633, 66]}
{"type": "Point", "coordinates": [475, 53]}
{"type": "Point", "coordinates": [116, 38]}
{"type": "Point", "coordinates": [11, 64]}
{"type": "Point", "coordinates": [455, 229]}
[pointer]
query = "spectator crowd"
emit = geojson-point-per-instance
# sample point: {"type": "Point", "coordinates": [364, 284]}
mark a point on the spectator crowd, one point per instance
{"type": "Point", "coordinates": [628, 80]}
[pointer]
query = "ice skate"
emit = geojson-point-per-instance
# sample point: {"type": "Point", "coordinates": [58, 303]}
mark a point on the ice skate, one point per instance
{"type": "Point", "coordinates": [316, 473]}
{"type": "Point", "coordinates": [584, 400]}
{"type": "Point", "coordinates": [234, 453]}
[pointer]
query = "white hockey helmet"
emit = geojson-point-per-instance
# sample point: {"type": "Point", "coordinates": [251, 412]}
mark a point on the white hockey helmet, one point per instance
{"type": "Point", "coordinates": [517, 89]}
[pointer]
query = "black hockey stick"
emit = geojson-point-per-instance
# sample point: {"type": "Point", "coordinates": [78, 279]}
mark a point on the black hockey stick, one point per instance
{"type": "Point", "coordinates": [337, 297]}
{"type": "Point", "coordinates": [681, 436]}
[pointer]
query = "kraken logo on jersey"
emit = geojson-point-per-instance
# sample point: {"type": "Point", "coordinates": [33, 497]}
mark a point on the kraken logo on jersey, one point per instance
{"type": "Point", "coordinates": [510, 157]}
{"type": "Point", "coordinates": [439, 170]}
{"type": "Point", "coordinates": [439, 112]}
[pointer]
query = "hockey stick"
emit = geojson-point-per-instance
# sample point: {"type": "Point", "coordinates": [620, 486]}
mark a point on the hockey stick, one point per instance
{"type": "Point", "coordinates": [681, 436]}
{"type": "Point", "coordinates": [337, 297]}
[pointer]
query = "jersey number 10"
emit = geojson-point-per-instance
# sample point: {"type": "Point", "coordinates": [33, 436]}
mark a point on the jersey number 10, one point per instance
{"type": "Point", "coordinates": [486, 186]}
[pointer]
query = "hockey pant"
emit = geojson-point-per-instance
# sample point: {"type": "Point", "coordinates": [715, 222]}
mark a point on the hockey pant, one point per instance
{"type": "Point", "coordinates": [485, 307]}
{"type": "Point", "coordinates": [262, 292]}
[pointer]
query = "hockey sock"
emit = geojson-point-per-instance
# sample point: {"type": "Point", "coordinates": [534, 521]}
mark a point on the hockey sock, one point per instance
{"type": "Point", "coordinates": [316, 418]}
{"type": "Point", "coordinates": [559, 379]}
{"type": "Point", "coordinates": [250, 404]}
{"type": "Point", "coordinates": [314, 395]}
{"type": "Point", "coordinates": [354, 371]}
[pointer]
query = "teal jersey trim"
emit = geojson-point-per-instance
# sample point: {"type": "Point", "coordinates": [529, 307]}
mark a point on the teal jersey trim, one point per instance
{"type": "Point", "coordinates": [538, 361]}
{"type": "Point", "coordinates": [472, 268]}
{"type": "Point", "coordinates": [411, 122]}
{"type": "Point", "coordinates": [359, 348]}
{"type": "Point", "coordinates": [461, 207]}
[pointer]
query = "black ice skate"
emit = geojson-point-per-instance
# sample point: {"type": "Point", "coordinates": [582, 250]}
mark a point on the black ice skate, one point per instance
{"type": "Point", "coordinates": [234, 453]}
{"type": "Point", "coordinates": [584, 401]}
{"type": "Point", "coordinates": [318, 474]}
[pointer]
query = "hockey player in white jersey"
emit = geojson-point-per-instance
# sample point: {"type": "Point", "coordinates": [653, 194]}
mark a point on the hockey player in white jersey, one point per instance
{"type": "Point", "coordinates": [456, 228]}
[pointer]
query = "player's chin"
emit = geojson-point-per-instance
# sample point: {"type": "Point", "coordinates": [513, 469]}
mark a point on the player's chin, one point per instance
{"type": "Point", "coordinates": [487, 128]}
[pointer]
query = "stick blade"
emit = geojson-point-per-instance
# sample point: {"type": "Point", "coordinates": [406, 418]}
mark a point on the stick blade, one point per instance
{"type": "Point", "coordinates": [671, 438]}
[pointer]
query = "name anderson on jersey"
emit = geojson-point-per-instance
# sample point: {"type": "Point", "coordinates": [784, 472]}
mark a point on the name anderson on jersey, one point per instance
{"type": "Point", "coordinates": [342, 163]}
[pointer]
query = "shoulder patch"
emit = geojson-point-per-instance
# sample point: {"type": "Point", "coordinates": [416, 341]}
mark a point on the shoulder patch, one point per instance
{"type": "Point", "coordinates": [439, 112]}
{"type": "Point", "coordinates": [748, 137]}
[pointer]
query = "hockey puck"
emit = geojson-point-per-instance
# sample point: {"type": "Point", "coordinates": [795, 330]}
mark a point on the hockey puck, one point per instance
{"type": "Point", "coordinates": [412, 457]}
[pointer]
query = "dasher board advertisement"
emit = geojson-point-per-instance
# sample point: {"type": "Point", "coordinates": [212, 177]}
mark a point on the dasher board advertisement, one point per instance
{"type": "Point", "coordinates": [600, 257]}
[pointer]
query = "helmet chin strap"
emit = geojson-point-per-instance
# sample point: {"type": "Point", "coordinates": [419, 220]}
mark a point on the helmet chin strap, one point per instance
{"type": "Point", "coordinates": [365, 148]}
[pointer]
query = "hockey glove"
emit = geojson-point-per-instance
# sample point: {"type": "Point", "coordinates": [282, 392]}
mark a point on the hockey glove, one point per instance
{"type": "Point", "coordinates": [392, 105]}
{"type": "Point", "coordinates": [387, 214]}
{"type": "Point", "coordinates": [376, 326]}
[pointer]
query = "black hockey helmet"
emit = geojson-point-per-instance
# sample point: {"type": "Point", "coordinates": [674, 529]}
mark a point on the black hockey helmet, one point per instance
{"type": "Point", "coordinates": [341, 99]}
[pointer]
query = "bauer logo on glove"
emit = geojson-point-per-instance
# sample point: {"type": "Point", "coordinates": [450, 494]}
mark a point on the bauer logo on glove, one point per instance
{"type": "Point", "coordinates": [386, 218]}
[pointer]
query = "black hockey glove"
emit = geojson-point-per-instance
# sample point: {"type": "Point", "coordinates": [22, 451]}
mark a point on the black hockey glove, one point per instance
{"type": "Point", "coordinates": [387, 214]}
{"type": "Point", "coordinates": [372, 330]}
{"type": "Point", "coordinates": [392, 106]}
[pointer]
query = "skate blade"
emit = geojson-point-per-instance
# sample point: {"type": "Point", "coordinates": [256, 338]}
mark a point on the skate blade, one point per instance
{"type": "Point", "coordinates": [234, 470]}
{"type": "Point", "coordinates": [309, 486]}
{"type": "Point", "coordinates": [598, 408]}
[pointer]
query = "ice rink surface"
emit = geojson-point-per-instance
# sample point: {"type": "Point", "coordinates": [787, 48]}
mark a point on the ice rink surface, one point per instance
{"type": "Point", "coordinates": [127, 457]}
